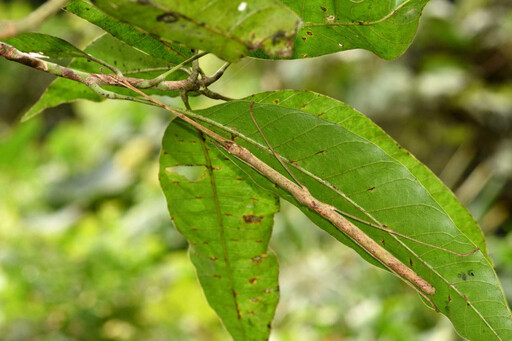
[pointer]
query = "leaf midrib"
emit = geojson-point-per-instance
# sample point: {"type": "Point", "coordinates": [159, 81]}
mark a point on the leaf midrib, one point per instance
{"type": "Point", "coordinates": [221, 228]}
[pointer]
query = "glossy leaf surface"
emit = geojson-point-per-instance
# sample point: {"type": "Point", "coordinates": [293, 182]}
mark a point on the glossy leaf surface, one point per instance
{"type": "Point", "coordinates": [384, 27]}
{"type": "Point", "coordinates": [348, 162]}
{"type": "Point", "coordinates": [229, 29]}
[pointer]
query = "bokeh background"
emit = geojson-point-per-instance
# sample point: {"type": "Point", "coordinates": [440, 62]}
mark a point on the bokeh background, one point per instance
{"type": "Point", "coordinates": [87, 251]}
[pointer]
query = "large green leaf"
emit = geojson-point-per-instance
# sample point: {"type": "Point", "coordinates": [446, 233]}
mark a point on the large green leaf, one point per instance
{"type": "Point", "coordinates": [385, 27]}
{"type": "Point", "coordinates": [129, 60]}
{"type": "Point", "coordinates": [348, 162]}
{"type": "Point", "coordinates": [227, 28]}
{"type": "Point", "coordinates": [171, 53]}
{"type": "Point", "coordinates": [228, 223]}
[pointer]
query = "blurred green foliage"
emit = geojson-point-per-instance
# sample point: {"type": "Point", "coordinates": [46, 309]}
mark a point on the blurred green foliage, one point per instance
{"type": "Point", "coordinates": [87, 251]}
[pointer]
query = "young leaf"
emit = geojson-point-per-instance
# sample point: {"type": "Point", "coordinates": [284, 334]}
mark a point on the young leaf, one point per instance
{"type": "Point", "coordinates": [384, 27]}
{"type": "Point", "coordinates": [228, 223]}
{"type": "Point", "coordinates": [129, 60]}
{"type": "Point", "coordinates": [348, 162]}
{"type": "Point", "coordinates": [227, 28]}
{"type": "Point", "coordinates": [168, 52]}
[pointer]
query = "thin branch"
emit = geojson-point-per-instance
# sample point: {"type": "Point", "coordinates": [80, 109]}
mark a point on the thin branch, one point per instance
{"type": "Point", "coordinates": [105, 64]}
{"type": "Point", "coordinates": [112, 95]}
{"type": "Point", "coordinates": [213, 95]}
{"type": "Point", "coordinates": [32, 21]}
{"type": "Point", "coordinates": [152, 82]}
{"type": "Point", "coordinates": [215, 77]}
{"type": "Point", "coordinates": [192, 83]}
{"type": "Point", "coordinates": [184, 98]}
{"type": "Point", "coordinates": [303, 196]}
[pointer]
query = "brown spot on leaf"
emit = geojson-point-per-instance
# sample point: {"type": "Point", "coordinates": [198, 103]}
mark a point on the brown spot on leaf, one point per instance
{"type": "Point", "coordinates": [320, 152]}
{"type": "Point", "coordinates": [253, 280]}
{"type": "Point", "coordinates": [411, 262]}
{"type": "Point", "coordinates": [258, 259]}
{"type": "Point", "coordinates": [276, 101]}
{"type": "Point", "coordinates": [217, 276]}
{"type": "Point", "coordinates": [324, 9]}
{"type": "Point", "coordinates": [168, 18]}
{"type": "Point", "coordinates": [252, 219]}
{"type": "Point", "coordinates": [213, 258]}
{"type": "Point", "coordinates": [304, 38]}
{"type": "Point", "coordinates": [371, 189]}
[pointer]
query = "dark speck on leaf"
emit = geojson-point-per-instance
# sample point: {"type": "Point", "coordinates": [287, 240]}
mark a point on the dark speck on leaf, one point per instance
{"type": "Point", "coordinates": [324, 9]}
{"type": "Point", "coordinates": [278, 36]}
{"type": "Point", "coordinates": [168, 17]}
{"type": "Point", "coordinates": [251, 219]}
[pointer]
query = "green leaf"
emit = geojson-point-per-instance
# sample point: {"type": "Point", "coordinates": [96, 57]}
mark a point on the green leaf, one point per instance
{"type": "Point", "coordinates": [385, 27]}
{"type": "Point", "coordinates": [229, 29]}
{"type": "Point", "coordinates": [228, 223]}
{"type": "Point", "coordinates": [348, 162]}
{"type": "Point", "coordinates": [45, 45]}
{"type": "Point", "coordinates": [171, 53]}
{"type": "Point", "coordinates": [129, 60]}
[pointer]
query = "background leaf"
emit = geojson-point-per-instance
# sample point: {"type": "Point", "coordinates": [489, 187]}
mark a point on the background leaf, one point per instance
{"type": "Point", "coordinates": [227, 28]}
{"type": "Point", "coordinates": [385, 27]}
{"type": "Point", "coordinates": [169, 52]}
{"type": "Point", "coordinates": [363, 172]}
{"type": "Point", "coordinates": [129, 60]}
{"type": "Point", "coordinates": [227, 222]}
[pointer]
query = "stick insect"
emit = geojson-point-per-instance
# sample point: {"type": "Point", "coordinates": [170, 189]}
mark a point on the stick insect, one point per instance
{"type": "Point", "coordinates": [302, 195]}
